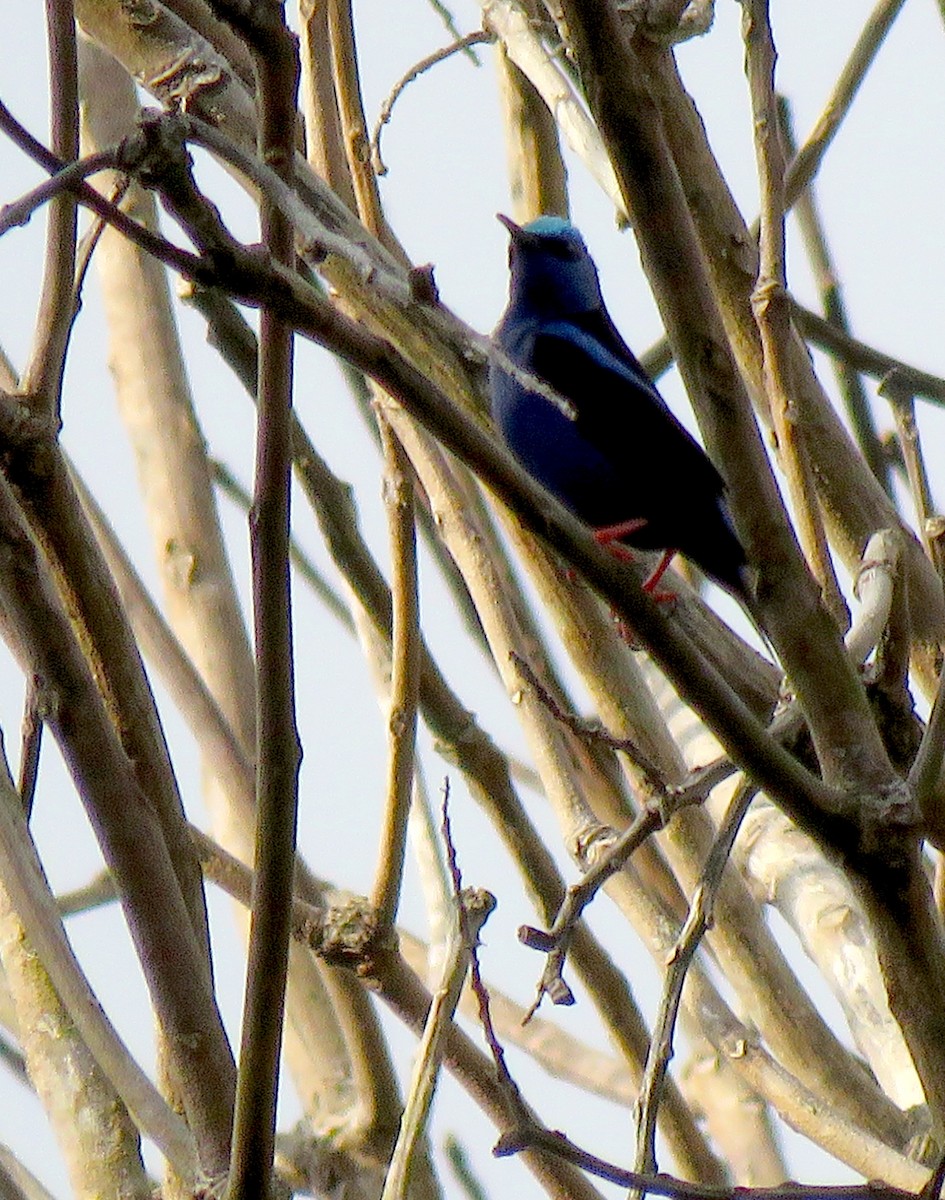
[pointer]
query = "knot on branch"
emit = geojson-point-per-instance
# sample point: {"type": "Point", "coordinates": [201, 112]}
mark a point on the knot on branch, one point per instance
{"type": "Point", "coordinates": [890, 824]}
{"type": "Point", "coordinates": [157, 152]}
{"type": "Point", "coordinates": [665, 23]}
{"type": "Point", "coordinates": [351, 936]}
{"type": "Point", "coordinates": [592, 843]}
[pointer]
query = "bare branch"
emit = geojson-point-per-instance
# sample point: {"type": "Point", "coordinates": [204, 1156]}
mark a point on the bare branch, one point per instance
{"type": "Point", "coordinates": [42, 379]}
{"type": "Point", "coordinates": [405, 674]}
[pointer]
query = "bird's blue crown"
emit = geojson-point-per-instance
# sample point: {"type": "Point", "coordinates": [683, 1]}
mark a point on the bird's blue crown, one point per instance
{"type": "Point", "coordinates": [549, 226]}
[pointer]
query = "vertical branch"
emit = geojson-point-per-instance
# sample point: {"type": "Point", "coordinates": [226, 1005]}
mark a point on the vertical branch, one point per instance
{"type": "Point", "coordinates": [537, 176]}
{"type": "Point", "coordinates": [323, 134]}
{"type": "Point", "coordinates": [831, 297]}
{"type": "Point", "coordinates": [772, 310]}
{"type": "Point", "coordinates": [405, 675]}
{"type": "Point", "coordinates": [902, 403]}
{"type": "Point", "coordinates": [278, 752]}
{"type": "Point", "coordinates": [43, 377]}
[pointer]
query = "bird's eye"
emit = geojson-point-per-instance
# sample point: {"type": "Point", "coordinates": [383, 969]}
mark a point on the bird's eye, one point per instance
{"type": "Point", "coordinates": [566, 250]}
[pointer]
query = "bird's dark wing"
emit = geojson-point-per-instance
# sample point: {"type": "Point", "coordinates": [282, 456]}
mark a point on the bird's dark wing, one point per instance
{"type": "Point", "coordinates": [620, 410]}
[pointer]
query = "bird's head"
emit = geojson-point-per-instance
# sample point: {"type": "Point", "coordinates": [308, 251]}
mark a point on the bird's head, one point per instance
{"type": "Point", "coordinates": [552, 272]}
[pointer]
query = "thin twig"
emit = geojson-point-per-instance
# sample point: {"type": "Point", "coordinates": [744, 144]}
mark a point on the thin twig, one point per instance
{"type": "Point", "coordinates": [189, 265]}
{"type": "Point", "coordinates": [772, 308]}
{"type": "Point", "coordinates": [230, 486]}
{"type": "Point", "coordinates": [42, 379]}
{"type": "Point", "coordinates": [471, 909]}
{"type": "Point", "coordinates": [452, 28]}
{"type": "Point", "coordinates": [556, 942]}
{"type": "Point", "coordinates": [97, 893]}
{"type": "Point", "coordinates": [589, 731]}
{"type": "Point", "coordinates": [480, 37]}
{"type": "Point", "coordinates": [31, 741]}
{"type": "Point", "coordinates": [902, 402]}
{"type": "Point", "coordinates": [20, 211]}
{"type": "Point", "coordinates": [405, 674]}
{"type": "Point", "coordinates": [458, 1160]}
{"type": "Point", "coordinates": [808, 159]}
{"type": "Point", "coordinates": [866, 359]}
{"type": "Point", "coordinates": [679, 961]}
{"type": "Point", "coordinates": [554, 1142]}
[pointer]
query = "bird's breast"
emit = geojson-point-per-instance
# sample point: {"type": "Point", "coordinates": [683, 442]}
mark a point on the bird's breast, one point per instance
{"type": "Point", "coordinates": [552, 449]}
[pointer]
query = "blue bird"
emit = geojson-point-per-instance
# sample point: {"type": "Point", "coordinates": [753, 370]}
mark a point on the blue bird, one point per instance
{"type": "Point", "coordinates": [621, 461]}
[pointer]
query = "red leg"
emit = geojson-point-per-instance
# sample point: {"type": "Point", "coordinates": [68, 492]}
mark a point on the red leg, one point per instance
{"type": "Point", "coordinates": [611, 535]}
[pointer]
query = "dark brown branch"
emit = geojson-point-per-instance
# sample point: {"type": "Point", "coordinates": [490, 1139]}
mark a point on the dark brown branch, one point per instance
{"type": "Point", "coordinates": [553, 1142]}
{"type": "Point", "coordinates": [189, 265]}
{"type": "Point", "coordinates": [278, 752]}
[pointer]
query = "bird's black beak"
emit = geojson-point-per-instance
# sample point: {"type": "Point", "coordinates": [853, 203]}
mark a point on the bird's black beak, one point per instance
{"type": "Point", "coordinates": [515, 230]}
